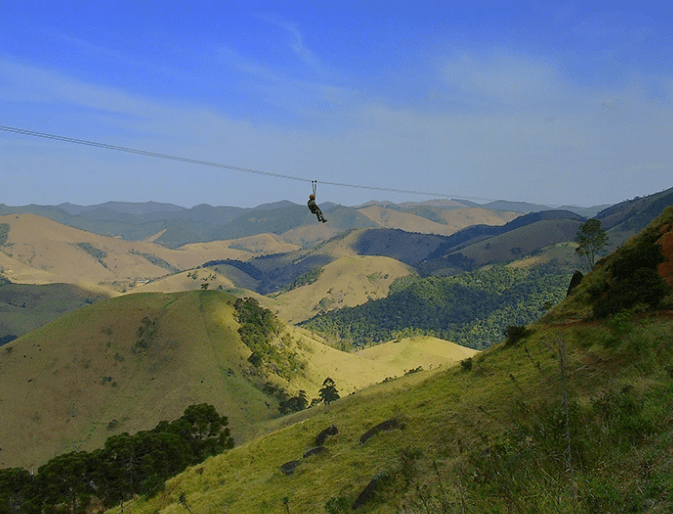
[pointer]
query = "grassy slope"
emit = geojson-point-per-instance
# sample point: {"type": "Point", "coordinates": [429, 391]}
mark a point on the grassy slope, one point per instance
{"type": "Point", "coordinates": [448, 221]}
{"type": "Point", "coordinates": [26, 307]}
{"type": "Point", "coordinates": [391, 218]}
{"type": "Point", "coordinates": [506, 247]}
{"type": "Point", "coordinates": [424, 351]}
{"type": "Point", "coordinates": [491, 439]}
{"type": "Point", "coordinates": [248, 246]}
{"type": "Point", "coordinates": [452, 418]}
{"type": "Point", "coordinates": [309, 235]}
{"type": "Point", "coordinates": [75, 382]}
{"type": "Point", "coordinates": [42, 251]}
{"type": "Point", "coordinates": [64, 383]}
{"type": "Point", "coordinates": [348, 281]}
{"type": "Point", "coordinates": [186, 281]}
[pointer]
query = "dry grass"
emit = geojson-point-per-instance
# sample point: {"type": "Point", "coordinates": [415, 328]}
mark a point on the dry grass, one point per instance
{"type": "Point", "coordinates": [424, 351]}
{"type": "Point", "coordinates": [453, 219]}
{"type": "Point", "coordinates": [346, 282]}
{"type": "Point", "coordinates": [127, 363]}
{"type": "Point", "coordinates": [41, 251]}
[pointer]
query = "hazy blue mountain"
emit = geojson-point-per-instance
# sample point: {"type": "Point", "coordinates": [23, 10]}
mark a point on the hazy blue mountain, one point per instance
{"type": "Point", "coordinates": [138, 208]}
{"type": "Point", "coordinates": [522, 207]}
{"type": "Point", "coordinates": [636, 213]}
{"type": "Point", "coordinates": [139, 220]}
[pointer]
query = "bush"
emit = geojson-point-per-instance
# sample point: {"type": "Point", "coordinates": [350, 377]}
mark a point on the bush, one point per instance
{"type": "Point", "coordinates": [634, 279]}
{"type": "Point", "coordinates": [646, 254]}
{"type": "Point", "coordinates": [466, 364]}
{"type": "Point", "coordinates": [645, 286]}
{"type": "Point", "coordinates": [515, 333]}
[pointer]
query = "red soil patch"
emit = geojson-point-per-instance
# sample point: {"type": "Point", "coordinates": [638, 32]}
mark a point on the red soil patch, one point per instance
{"type": "Point", "coordinates": [665, 269]}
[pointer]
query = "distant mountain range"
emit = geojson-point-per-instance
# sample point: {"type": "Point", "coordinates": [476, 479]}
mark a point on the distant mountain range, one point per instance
{"type": "Point", "coordinates": [436, 237]}
{"type": "Point", "coordinates": [273, 247]}
{"type": "Point", "coordinates": [180, 225]}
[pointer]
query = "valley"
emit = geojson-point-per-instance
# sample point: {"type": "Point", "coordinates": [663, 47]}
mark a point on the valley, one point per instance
{"type": "Point", "coordinates": [409, 311]}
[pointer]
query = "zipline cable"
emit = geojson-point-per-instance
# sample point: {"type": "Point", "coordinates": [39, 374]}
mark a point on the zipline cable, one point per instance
{"type": "Point", "coordinates": [95, 144]}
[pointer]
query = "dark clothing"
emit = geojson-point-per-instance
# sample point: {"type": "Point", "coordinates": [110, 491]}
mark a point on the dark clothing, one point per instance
{"type": "Point", "coordinates": [313, 207]}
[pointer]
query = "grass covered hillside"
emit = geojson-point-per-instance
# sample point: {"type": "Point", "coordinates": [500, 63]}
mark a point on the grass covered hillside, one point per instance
{"type": "Point", "coordinates": [522, 241]}
{"type": "Point", "coordinates": [119, 365]}
{"type": "Point", "coordinates": [127, 363]}
{"type": "Point", "coordinates": [433, 220]}
{"type": "Point", "coordinates": [36, 250]}
{"type": "Point", "coordinates": [635, 276]}
{"type": "Point", "coordinates": [348, 281]}
{"type": "Point", "coordinates": [571, 414]}
{"type": "Point", "coordinates": [26, 307]}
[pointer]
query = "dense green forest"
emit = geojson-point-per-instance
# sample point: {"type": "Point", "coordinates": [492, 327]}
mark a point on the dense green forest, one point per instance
{"type": "Point", "coordinates": [126, 466]}
{"type": "Point", "coordinates": [260, 331]}
{"type": "Point", "coordinates": [473, 309]}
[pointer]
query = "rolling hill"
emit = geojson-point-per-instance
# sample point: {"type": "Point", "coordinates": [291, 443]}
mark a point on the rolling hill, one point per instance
{"type": "Point", "coordinates": [37, 250]}
{"type": "Point", "coordinates": [424, 351]}
{"type": "Point", "coordinates": [173, 226]}
{"type": "Point", "coordinates": [571, 415]}
{"type": "Point", "coordinates": [472, 309]}
{"type": "Point", "coordinates": [26, 307]}
{"type": "Point", "coordinates": [347, 281]}
{"type": "Point", "coordinates": [429, 220]}
{"type": "Point", "coordinates": [126, 363]}
{"type": "Point", "coordinates": [504, 248]}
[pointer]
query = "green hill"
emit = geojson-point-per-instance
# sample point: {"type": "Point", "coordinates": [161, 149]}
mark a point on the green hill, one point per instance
{"type": "Point", "coordinates": [123, 364]}
{"type": "Point", "coordinates": [570, 415]}
{"type": "Point", "coordinates": [127, 363]}
{"type": "Point", "coordinates": [512, 245]}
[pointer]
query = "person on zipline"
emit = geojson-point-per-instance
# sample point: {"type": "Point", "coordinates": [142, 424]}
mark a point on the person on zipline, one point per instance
{"type": "Point", "coordinates": [313, 207]}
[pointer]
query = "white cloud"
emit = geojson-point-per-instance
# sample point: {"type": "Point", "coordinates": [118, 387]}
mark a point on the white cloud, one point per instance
{"type": "Point", "coordinates": [307, 56]}
{"type": "Point", "coordinates": [502, 76]}
{"type": "Point", "coordinates": [566, 149]}
{"type": "Point", "coordinates": [20, 82]}
{"type": "Point", "coordinates": [281, 89]}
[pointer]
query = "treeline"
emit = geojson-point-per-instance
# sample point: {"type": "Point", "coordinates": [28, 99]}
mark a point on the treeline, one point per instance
{"type": "Point", "coordinates": [126, 466]}
{"type": "Point", "coordinates": [4, 233]}
{"type": "Point", "coordinates": [473, 309]}
{"type": "Point", "coordinates": [327, 394]}
{"type": "Point", "coordinates": [259, 331]}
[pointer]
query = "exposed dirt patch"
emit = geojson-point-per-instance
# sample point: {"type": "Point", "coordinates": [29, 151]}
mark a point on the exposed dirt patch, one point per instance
{"type": "Point", "coordinates": [665, 269]}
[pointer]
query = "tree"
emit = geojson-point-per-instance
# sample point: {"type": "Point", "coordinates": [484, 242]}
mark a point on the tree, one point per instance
{"type": "Point", "coordinates": [591, 239]}
{"type": "Point", "coordinates": [15, 492]}
{"type": "Point", "coordinates": [329, 392]}
{"type": "Point", "coordinates": [294, 404]}
{"type": "Point", "coordinates": [66, 479]}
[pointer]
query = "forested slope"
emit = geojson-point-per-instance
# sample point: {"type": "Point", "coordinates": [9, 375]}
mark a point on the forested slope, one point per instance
{"type": "Point", "coordinates": [472, 309]}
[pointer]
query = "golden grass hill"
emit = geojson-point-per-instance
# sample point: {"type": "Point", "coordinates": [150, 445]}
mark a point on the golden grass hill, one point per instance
{"type": "Point", "coordinates": [413, 359]}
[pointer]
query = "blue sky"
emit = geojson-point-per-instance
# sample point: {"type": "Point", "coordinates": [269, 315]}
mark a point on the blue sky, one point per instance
{"type": "Point", "coordinates": [544, 102]}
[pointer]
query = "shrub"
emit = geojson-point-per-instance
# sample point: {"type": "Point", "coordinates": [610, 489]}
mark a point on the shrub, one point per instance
{"type": "Point", "coordinates": [515, 333]}
{"type": "Point", "coordinates": [646, 254]}
{"type": "Point", "coordinates": [635, 279]}
{"type": "Point", "coordinates": [466, 364]}
{"type": "Point", "coordinates": [646, 286]}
